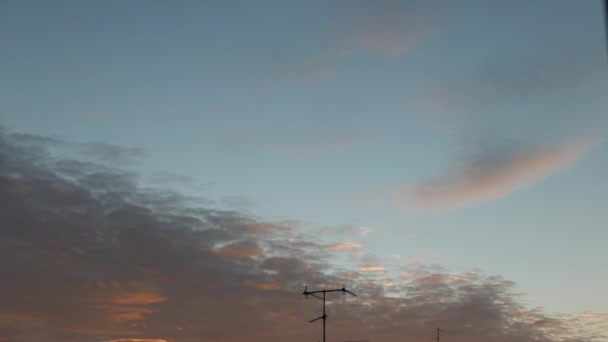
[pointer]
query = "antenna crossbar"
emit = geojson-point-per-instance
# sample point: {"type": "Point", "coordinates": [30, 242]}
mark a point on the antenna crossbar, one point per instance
{"type": "Point", "coordinates": [315, 294]}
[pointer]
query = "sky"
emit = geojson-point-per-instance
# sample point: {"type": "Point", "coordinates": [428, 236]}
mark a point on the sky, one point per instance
{"type": "Point", "coordinates": [176, 171]}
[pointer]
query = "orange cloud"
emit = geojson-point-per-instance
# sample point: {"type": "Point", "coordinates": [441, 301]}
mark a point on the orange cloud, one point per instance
{"type": "Point", "coordinates": [372, 269]}
{"type": "Point", "coordinates": [143, 297]}
{"type": "Point", "coordinates": [489, 177]}
{"type": "Point", "coordinates": [136, 340]}
{"type": "Point", "coordinates": [128, 302]}
{"type": "Point", "coordinates": [264, 286]}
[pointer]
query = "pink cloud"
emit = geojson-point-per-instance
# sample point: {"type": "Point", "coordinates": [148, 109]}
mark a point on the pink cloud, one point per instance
{"type": "Point", "coordinates": [489, 177]}
{"type": "Point", "coordinates": [345, 246]}
{"type": "Point", "coordinates": [392, 33]}
{"type": "Point", "coordinates": [372, 269]}
{"type": "Point", "coordinates": [366, 230]}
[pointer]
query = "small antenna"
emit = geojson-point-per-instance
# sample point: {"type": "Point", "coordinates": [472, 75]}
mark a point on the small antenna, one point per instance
{"type": "Point", "coordinates": [437, 338]}
{"type": "Point", "coordinates": [306, 293]}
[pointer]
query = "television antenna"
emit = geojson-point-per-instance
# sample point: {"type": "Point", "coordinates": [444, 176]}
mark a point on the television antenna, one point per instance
{"type": "Point", "coordinates": [316, 294]}
{"type": "Point", "coordinates": [437, 338]}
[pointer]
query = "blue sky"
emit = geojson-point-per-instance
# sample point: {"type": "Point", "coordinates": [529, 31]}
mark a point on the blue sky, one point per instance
{"type": "Point", "coordinates": [466, 134]}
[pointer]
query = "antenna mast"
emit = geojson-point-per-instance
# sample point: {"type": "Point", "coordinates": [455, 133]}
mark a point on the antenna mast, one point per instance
{"type": "Point", "coordinates": [437, 338]}
{"type": "Point", "coordinates": [307, 293]}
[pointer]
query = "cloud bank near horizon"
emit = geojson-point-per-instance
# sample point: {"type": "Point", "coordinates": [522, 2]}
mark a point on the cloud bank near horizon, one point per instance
{"type": "Point", "coordinates": [89, 255]}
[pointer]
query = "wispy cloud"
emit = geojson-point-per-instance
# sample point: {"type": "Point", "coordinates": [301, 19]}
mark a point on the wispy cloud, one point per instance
{"type": "Point", "coordinates": [323, 142]}
{"type": "Point", "coordinates": [308, 140]}
{"type": "Point", "coordinates": [489, 177]}
{"type": "Point", "coordinates": [372, 269]}
{"type": "Point", "coordinates": [389, 28]}
{"type": "Point", "coordinates": [365, 231]}
{"type": "Point", "coordinates": [380, 28]}
{"type": "Point", "coordinates": [350, 231]}
{"type": "Point", "coordinates": [550, 92]}
{"type": "Point", "coordinates": [345, 246]}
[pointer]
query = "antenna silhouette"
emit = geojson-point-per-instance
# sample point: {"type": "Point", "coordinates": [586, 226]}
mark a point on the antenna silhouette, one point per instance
{"type": "Point", "coordinates": [437, 338]}
{"type": "Point", "coordinates": [606, 23]}
{"type": "Point", "coordinates": [307, 293]}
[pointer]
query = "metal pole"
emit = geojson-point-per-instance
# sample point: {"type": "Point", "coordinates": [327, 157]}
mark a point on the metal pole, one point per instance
{"type": "Point", "coordinates": [606, 24]}
{"type": "Point", "coordinates": [307, 293]}
{"type": "Point", "coordinates": [324, 316]}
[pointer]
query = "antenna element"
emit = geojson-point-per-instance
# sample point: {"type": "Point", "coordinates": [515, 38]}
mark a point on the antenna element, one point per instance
{"type": "Point", "coordinates": [307, 293]}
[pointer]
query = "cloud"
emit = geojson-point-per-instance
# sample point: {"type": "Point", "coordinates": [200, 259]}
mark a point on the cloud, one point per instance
{"type": "Point", "coordinates": [535, 95]}
{"type": "Point", "coordinates": [314, 70]}
{"type": "Point", "coordinates": [351, 231]}
{"type": "Point", "coordinates": [520, 73]}
{"type": "Point", "coordinates": [388, 28]}
{"type": "Point", "coordinates": [345, 246]}
{"type": "Point", "coordinates": [538, 91]}
{"type": "Point", "coordinates": [170, 180]}
{"type": "Point", "coordinates": [381, 28]}
{"type": "Point", "coordinates": [325, 141]}
{"type": "Point", "coordinates": [490, 176]}
{"type": "Point", "coordinates": [136, 340]}
{"type": "Point", "coordinates": [372, 269]}
{"type": "Point", "coordinates": [315, 135]}
{"type": "Point", "coordinates": [98, 152]}
{"type": "Point", "coordinates": [367, 230]}
{"type": "Point", "coordinates": [108, 261]}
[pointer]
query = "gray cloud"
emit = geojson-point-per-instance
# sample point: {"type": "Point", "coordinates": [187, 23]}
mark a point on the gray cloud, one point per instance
{"type": "Point", "coordinates": [98, 152]}
{"type": "Point", "coordinates": [100, 259]}
{"type": "Point", "coordinates": [112, 154]}
{"type": "Point", "coordinates": [390, 28]}
{"type": "Point", "coordinates": [535, 93]}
